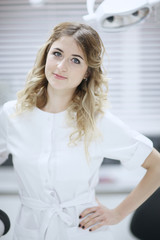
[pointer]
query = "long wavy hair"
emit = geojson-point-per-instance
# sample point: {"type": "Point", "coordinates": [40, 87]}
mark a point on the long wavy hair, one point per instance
{"type": "Point", "coordinates": [90, 96]}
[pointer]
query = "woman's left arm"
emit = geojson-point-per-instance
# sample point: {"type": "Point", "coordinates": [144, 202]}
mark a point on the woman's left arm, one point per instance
{"type": "Point", "coordinates": [149, 183]}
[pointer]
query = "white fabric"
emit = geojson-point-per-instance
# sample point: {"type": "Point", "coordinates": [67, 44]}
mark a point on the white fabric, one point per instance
{"type": "Point", "coordinates": [55, 181]}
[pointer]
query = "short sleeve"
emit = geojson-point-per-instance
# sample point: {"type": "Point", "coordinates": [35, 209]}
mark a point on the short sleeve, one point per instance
{"type": "Point", "coordinates": [122, 143]}
{"type": "Point", "coordinates": [3, 135]}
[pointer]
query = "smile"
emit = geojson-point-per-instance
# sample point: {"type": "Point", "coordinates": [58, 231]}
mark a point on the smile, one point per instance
{"type": "Point", "coordinates": [59, 76]}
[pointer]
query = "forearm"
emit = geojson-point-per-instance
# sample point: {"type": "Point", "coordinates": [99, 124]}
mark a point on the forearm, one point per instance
{"type": "Point", "coordinates": [149, 183]}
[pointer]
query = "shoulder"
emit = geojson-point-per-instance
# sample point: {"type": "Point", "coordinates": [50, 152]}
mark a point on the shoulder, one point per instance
{"type": "Point", "coordinates": [115, 129]}
{"type": "Point", "coordinates": [10, 104]}
{"type": "Point", "coordinates": [111, 121]}
{"type": "Point", "coordinates": [9, 107]}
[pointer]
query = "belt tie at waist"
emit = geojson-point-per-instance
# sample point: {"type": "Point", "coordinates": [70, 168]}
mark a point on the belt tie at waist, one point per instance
{"type": "Point", "coordinates": [56, 208]}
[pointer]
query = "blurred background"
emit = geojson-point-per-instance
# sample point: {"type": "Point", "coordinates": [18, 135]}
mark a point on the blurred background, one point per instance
{"type": "Point", "coordinates": [132, 62]}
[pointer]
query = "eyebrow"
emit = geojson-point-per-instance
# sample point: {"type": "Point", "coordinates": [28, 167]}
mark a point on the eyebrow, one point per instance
{"type": "Point", "coordinates": [74, 55]}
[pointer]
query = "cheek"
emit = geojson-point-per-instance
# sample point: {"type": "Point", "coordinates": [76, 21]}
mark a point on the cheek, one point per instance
{"type": "Point", "coordinates": [46, 70]}
{"type": "Point", "coordinates": [49, 67]}
{"type": "Point", "coordinates": [78, 72]}
{"type": "Point", "coordinates": [78, 77]}
{"type": "Point", "coordinates": [46, 66]}
{"type": "Point", "coordinates": [50, 63]}
{"type": "Point", "coordinates": [76, 82]}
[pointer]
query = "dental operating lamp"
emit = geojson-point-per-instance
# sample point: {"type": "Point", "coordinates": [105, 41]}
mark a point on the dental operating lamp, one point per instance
{"type": "Point", "coordinates": [116, 15]}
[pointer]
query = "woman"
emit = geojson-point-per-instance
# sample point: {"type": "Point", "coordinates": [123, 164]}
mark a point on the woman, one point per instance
{"type": "Point", "coordinates": [58, 135]}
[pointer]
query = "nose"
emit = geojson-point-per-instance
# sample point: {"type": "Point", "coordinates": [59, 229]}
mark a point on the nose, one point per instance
{"type": "Point", "coordinates": [62, 65]}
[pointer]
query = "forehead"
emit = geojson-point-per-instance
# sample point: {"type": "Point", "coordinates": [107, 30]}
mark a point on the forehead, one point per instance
{"type": "Point", "coordinates": [68, 44]}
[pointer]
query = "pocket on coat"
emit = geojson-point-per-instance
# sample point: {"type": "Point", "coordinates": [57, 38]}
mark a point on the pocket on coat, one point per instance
{"type": "Point", "coordinates": [21, 232]}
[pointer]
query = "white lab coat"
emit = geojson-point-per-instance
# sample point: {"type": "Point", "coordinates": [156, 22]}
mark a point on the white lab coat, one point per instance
{"type": "Point", "coordinates": [55, 181]}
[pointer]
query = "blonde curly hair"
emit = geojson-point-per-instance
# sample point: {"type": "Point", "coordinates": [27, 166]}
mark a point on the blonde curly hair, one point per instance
{"type": "Point", "coordinates": [90, 96]}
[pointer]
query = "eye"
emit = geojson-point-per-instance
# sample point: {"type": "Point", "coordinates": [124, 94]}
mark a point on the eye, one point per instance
{"type": "Point", "coordinates": [76, 60]}
{"type": "Point", "coordinates": [57, 54]}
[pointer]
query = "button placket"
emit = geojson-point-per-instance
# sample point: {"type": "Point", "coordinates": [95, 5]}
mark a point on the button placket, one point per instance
{"type": "Point", "coordinates": [52, 144]}
{"type": "Point", "coordinates": [45, 152]}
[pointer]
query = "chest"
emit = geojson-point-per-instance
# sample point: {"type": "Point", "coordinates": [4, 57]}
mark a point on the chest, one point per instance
{"type": "Point", "coordinates": [42, 148]}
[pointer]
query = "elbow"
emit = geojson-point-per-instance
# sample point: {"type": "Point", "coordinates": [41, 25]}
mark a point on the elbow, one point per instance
{"type": "Point", "coordinates": [152, 162]}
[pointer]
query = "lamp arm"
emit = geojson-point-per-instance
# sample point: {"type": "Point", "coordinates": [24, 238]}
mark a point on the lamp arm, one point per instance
{"type": "Point", "coordinates": [152, 2]}
{"type": "Point", "coordinates": [90, 6]}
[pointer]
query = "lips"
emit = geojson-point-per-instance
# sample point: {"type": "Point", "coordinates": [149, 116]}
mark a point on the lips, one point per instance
{"type": "Point", "coordinates": [59, 76]}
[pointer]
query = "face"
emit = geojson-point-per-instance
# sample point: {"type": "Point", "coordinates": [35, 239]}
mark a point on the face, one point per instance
{"type": "Point", "coordinates": [65, 65]}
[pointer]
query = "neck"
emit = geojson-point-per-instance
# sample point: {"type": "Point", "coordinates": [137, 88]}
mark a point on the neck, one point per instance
{"type": "Point", "coordinates": [58, 101]}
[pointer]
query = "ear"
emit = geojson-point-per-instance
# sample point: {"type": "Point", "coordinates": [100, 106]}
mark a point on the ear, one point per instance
{"type": "Point", "coordinates": [87, 74]}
